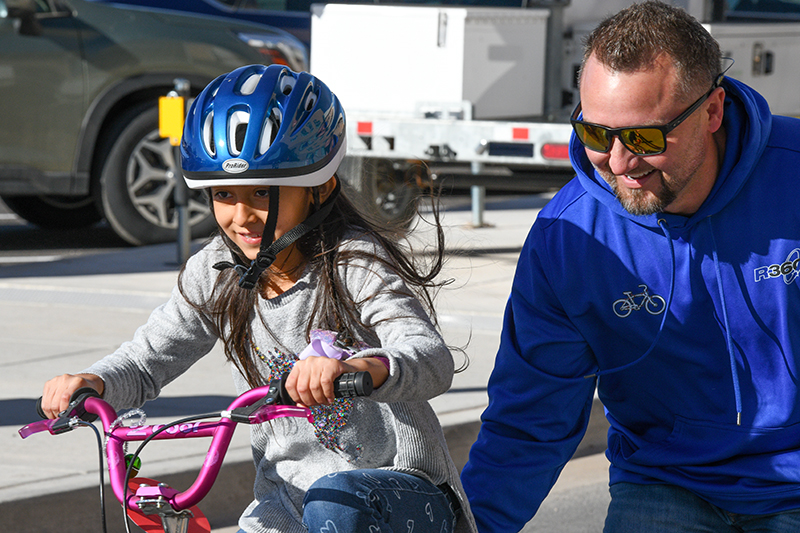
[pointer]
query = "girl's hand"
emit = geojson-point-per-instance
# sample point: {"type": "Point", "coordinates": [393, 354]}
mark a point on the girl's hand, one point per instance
{"type": "Point", "coordinates": [311, 380]}
{"type": "Point", "coordinates": [57, 391]}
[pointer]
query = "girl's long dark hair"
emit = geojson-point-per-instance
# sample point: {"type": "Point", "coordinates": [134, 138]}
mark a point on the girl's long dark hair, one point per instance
{"type": "Point", "coordinates": [231, 307]}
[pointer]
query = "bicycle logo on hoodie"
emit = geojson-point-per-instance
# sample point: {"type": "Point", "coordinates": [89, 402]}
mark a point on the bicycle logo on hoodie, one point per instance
{"type": "Point", "coordinates": [654, 304]}
{"type": "Point", "coordinates": [789, 269]}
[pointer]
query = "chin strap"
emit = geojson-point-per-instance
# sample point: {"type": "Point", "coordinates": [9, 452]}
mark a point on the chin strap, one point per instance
{"type": "Point", "coordinates": [248, 275]}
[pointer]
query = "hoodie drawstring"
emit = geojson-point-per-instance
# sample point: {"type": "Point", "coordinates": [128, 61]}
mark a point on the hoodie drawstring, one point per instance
{"type": "Point", "coordinates": [665, 230]}
{"type": "Point", "coordinates": [734, 372]}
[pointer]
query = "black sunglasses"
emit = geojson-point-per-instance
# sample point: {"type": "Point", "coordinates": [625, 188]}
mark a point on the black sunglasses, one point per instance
{"type": "Point", "coordinates": [640, 140]}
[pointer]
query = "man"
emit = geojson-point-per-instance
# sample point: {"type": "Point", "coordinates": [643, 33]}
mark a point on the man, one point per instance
{"type": "Point", "coordinates": [665, 274]}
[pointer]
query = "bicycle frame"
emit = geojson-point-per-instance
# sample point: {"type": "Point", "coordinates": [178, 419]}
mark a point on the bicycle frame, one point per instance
{"type": "Point", "coordinates": [252, 407]}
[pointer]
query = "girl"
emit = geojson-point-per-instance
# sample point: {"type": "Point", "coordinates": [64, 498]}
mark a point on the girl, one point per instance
{"type": "Point", "coordinates": [294, 265]}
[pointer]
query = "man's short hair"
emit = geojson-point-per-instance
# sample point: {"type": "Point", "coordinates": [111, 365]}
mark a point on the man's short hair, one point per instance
{"type": "Point", "coordinates": [634, 38]}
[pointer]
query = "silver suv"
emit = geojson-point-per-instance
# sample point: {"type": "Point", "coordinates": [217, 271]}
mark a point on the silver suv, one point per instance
{"type": "Point", "coordinates": [79, 89]}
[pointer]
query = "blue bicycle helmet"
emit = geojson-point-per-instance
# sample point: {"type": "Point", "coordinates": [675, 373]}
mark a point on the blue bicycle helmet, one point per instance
{"type": "Point", "coordinates": [263, 125]}
{"type": "Point", "coordinates": [270, 126]}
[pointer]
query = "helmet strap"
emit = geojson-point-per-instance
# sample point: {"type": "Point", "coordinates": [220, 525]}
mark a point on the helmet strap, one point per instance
{"type": "Point", "coordinates": [269, 248]}
{"type": "Point", "coordinates": [266, 256]}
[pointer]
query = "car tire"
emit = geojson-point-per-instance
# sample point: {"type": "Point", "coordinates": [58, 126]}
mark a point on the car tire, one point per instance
{"type": "Point", "coordinates": [137, 183]}
{"type": "Point", "coordinates": [55, 212]}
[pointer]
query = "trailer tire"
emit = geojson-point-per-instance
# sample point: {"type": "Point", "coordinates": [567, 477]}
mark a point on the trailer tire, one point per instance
{"type": "Point", "coordinates": [391, 194]}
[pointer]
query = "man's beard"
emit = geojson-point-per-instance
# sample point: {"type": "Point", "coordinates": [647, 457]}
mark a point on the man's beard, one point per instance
{"type": "Point", "coordinates": [640, 202]}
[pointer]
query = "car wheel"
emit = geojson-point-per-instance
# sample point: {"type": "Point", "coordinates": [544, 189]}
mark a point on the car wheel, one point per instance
{"type": "Point", "coordinates": [137, 183]}
{"type": "Point", "coordinates": [60, 212]}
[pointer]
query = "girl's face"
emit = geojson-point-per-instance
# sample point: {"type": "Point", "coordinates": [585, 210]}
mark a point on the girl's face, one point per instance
{"type": "Point", "coordinates": [241, 211]}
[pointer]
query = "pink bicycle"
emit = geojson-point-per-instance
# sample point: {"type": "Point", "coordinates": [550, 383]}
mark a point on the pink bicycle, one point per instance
{"type": "Point", "coordinates": [155, 506]}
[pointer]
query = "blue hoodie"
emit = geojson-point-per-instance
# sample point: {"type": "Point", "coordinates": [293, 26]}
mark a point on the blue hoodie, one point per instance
{"type": "Point", "coordinates": [689, 327]}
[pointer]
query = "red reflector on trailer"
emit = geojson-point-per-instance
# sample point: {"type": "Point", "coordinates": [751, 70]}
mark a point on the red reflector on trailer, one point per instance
{"type": "Point", "coordinates": [555, 151]}
{"type": "Point", "coordinates": [364, 128]}
{"type": "Point", "coordinates": [519, 134]}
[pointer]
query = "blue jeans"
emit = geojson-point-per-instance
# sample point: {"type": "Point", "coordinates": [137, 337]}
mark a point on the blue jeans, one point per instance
{"type": "Point", "coordinates": [670, 509]}
{"type": "Point", "coordinates": [373, 501]}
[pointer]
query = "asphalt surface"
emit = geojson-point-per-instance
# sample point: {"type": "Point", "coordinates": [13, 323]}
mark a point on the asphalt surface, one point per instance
{"type": "Point", "coordinates": [61, 314]}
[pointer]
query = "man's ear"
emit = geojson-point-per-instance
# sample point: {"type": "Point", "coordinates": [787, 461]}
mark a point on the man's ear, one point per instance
{"type": "Point", "coordinates": [326, 188]}
{"type": "Point", "coordinates": [716, 109]}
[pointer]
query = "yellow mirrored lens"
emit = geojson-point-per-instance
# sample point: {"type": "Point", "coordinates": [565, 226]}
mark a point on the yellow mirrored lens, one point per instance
{"type": "Point", "coordinates": [593, 138]}
{"type": "Point", "coordinates": [643, 140]}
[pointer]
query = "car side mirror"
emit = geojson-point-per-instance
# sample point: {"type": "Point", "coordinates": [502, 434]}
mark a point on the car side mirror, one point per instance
{"type": "Point", "coordinates": [25, 12]}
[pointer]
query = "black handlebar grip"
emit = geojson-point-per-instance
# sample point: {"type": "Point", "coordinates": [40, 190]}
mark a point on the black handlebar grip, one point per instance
{"type": "Point", "coordinates": [353, 384]}
{"type": "Point", "coordinates": [347, 385]}
{"type": "Point", "coordinates": [75, 407]}
{"type": "Point", "coordinates": [39, 408]}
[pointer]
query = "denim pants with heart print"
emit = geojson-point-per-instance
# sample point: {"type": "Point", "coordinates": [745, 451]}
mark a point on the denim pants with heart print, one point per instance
{"type": "Point", "coordinates": [373, 501]}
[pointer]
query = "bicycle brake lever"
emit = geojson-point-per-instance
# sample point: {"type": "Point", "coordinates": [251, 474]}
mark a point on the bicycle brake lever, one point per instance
{"type": "Point", "coordinates": [271, 412]}
{"type": "Point", "coordinates": [36, 427]}
{"type": "Point", "coordinates": [244, 415]}
{"type": "Point", "coordinates": [63, 423]}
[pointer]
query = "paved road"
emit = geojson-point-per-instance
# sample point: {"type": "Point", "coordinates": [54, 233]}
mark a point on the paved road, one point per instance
{"type": "Point", "coordinates": [59, 316]}
{"type": "Point", "coordinates": [23, 243]}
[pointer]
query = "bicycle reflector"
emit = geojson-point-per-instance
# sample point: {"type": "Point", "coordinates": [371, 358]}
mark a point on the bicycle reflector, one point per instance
{"type": "Point", "coordinates": [137, 464]}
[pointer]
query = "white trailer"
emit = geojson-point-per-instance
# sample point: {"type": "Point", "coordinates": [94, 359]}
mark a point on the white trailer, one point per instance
{"type": "Point", "coordinates": [481, 96]}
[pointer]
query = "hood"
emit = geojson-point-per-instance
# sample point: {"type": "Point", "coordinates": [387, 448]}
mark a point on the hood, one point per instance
{"type": "Point", "coordinates": [747, 121]}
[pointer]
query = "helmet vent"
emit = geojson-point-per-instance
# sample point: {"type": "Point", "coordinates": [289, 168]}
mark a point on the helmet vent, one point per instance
{"type": "Point", "coordinates": [286, 84]}
{"type": "Point", "coordinates": [311, 99]}
{"type": "Point", "coordinates": [208, 135]}
{"type": "Point", "coordinates": [237, 131]}
{"type": "Point", "coordinates": [250, 84]}
{"type": "Point", "coordinates": [270, 131]}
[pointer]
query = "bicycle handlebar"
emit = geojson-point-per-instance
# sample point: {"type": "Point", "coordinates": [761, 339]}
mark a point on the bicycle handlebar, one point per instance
{"type": "Point", "coordinates": [252, 407]}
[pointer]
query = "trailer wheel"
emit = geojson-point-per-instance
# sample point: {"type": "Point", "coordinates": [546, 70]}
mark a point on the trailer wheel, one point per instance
{"type": "Point", "coordinates": [391, 191]}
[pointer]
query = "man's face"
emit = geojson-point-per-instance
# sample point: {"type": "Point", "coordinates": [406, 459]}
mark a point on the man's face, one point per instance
{"type": "Point", "coordinates": [676, 181]}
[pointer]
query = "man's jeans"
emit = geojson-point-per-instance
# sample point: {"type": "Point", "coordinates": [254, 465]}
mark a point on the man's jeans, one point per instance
{"type": "Point", "coordinates": [669, 509]}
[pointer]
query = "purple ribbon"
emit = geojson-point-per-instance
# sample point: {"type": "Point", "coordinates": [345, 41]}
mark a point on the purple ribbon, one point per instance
{"type": "Point", "coordinates": [319, 348]}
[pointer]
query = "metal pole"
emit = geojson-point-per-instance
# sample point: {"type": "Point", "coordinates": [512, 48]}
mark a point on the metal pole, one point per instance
{"type": "Point", "coordinates": [181, 190]}
{"type": "Point", "coordinates": [478, 193]}
{"type": "Point", "coordinates": [478, 204]}
{"type": "Point", "coordinates": [182, 212]}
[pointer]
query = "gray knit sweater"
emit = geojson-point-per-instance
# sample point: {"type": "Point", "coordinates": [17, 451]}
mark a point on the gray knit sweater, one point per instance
{"type": "Point", "coordinates": [395, 428]}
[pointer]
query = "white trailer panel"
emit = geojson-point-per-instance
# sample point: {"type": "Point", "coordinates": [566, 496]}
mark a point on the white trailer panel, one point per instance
{"type": "Point", "coordinates": [767, 58]}
{"type": "Point", "coordinates": [388, 59]}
